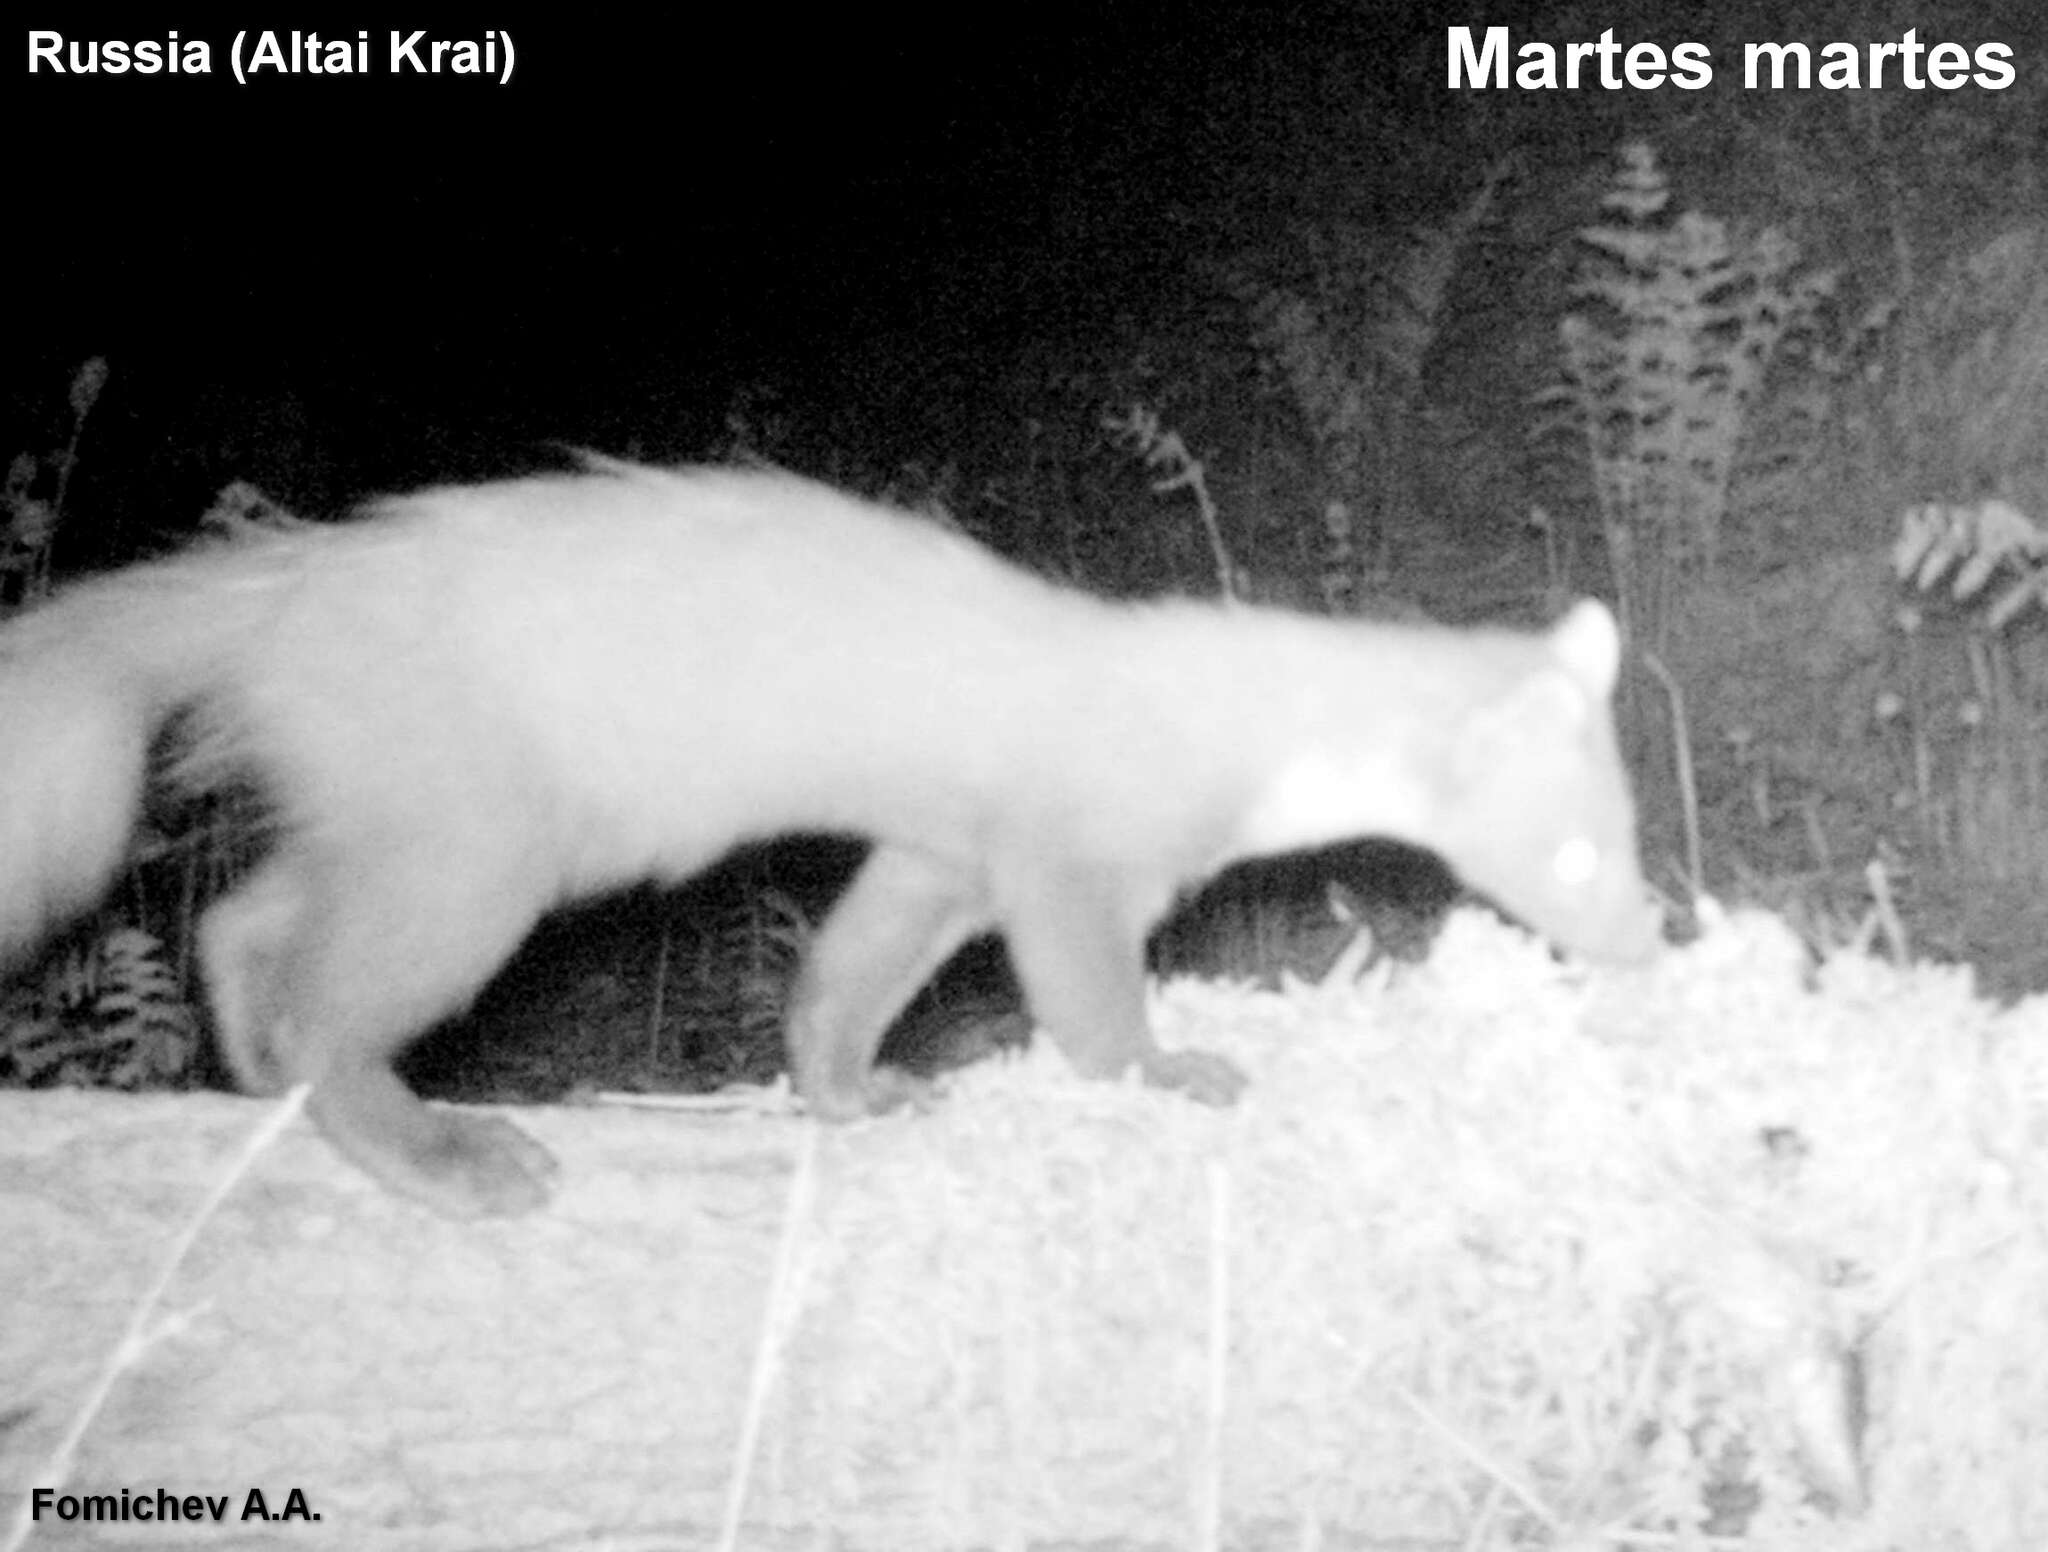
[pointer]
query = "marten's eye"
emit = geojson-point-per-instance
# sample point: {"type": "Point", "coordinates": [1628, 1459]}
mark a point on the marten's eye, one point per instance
{"type": "Point", "coordinates": [1576, 862]}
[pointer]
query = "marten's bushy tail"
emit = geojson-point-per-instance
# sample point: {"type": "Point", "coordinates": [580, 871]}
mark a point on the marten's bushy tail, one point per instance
{"type": "Point", "coordinates": [85, 682]}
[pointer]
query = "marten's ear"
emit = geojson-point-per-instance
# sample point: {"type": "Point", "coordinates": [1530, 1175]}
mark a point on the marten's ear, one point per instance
{"type": "Point", "coordinates": [1588, 642]}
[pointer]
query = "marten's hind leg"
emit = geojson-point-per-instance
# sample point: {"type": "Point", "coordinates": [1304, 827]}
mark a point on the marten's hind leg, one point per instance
{"type": "Point", "coordinates": [900, 919]}
{"type": "Point", "coordinates": [245, 945]}
{"type": "Point", "coordinates": [327, 963]}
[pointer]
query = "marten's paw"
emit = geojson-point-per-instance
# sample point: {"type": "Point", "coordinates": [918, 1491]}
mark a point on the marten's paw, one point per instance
{"type": "Point", "coordinates": [478, 1166]}
{"type": "Point", "coordinates": [463, 1164]}
{"type": "Point", "coordinates": [1203, 1076]}
{"type": "Point", "coordinates": [883, 1089]}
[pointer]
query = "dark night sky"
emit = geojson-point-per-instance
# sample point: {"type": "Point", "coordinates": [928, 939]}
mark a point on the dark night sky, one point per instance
{"type": "Point", "coordinates": [440, 275]}
{"type": "Point", "coordinates": [644, 219]}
